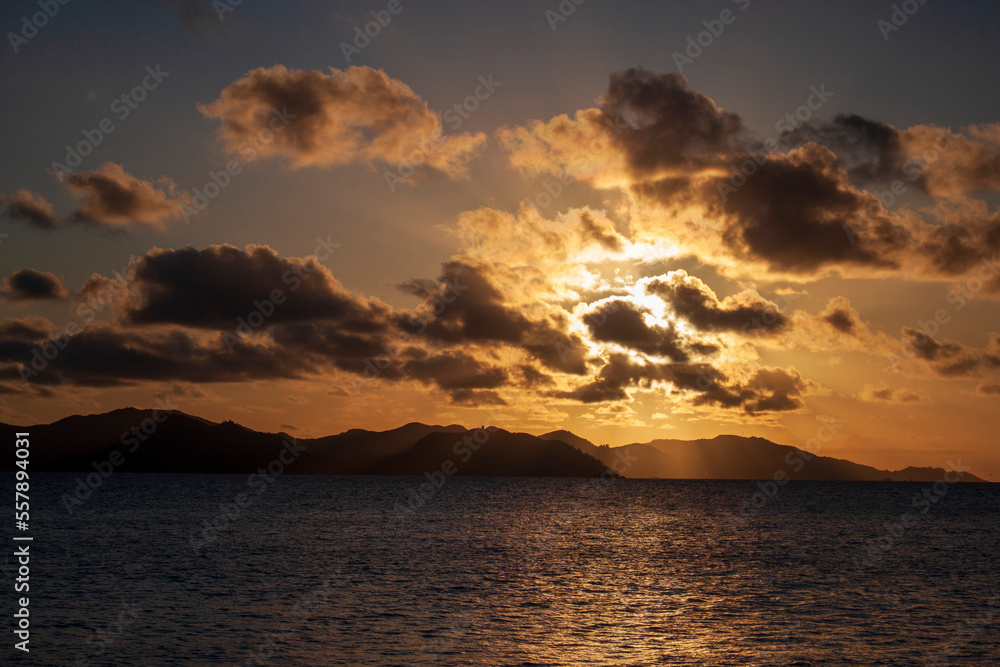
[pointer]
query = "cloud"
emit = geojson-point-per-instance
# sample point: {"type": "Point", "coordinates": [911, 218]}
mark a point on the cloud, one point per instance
{"type": "Point", "coordinates": [529, 239]}
{"type": "Point", "coordinates": [357, 115]}
{"type": "Point", "coordinates": [115, 199]}
{"type": "Point", "coordinates": [664, 125]}
{"type": "Point", "coordinates": [886, 394]}
{"type": "Point", "coordinates": [109, 355]}
{"type": "Point", "coordinates": [110, 198]}
{"type": "Point", "coordinates": [24, 328]}
{"type": "Point", "coordinates": [799, 213]}
{"type": "Point", "coordinates": [216, 287]}
{"type": "Point", "coordinates": [949, 358]}
{"type": "Point", "coordinates": [870, 151]}
{"type": "Point", "coordinates": [194, 13]}
{"type": "Point", "coordinates": [799, 209]}
{"type": "Point", "coordinates": [693, 300]}
{"type": "Point", "coordinates": [456, 370]}
{"type": "Point", "coordinates": [31, 285]}
{"type": "Point", "coordinates": [465, 306]}
{"type": "Point", "coordinates": [646, 126]}
{"type": "Point", "coordinates": [764, 390]}
{"type": "Point", "coordinates": [989, 389]}
{"type": "Point", "coordinates": [476, 397]}
{"type": "Point", "coordinates": [31, 208]}
{"type": "Point", "coordinates": [841, 316]}
{"type": "Point", "coordinates": [624, 323]}
{"type": "Point", "coordinates": [941, 162]}
{"type": "Point", "coordinates": [951, 163]}
{"type": "Point", "coordinates": [225, 314]}
{"type": "Point", "coordinates": [98, 292]}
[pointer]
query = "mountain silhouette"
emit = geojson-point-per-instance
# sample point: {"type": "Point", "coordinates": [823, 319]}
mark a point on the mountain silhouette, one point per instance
{"type": "Point", "coordinates": [738, 457]}
{"type": "Point", "coordinates": [137, 440]}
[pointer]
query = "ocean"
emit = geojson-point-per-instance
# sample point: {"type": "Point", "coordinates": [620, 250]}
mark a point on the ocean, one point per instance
{"type": "Point", "coordinates": [169, 569]}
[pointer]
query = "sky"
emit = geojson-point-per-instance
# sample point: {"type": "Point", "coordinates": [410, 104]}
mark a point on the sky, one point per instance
{"type": "Point", "coordinates": [628, 220]}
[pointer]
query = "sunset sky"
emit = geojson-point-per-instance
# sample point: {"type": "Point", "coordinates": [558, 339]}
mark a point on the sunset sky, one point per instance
{"type": "Point", "coordinates": [500, 213]}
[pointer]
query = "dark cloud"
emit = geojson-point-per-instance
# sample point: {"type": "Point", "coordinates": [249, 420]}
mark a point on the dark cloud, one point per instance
{"type": "Point", "coordinates": [597, 231]}
{"type": "Point", "coordinates": [26, 328]}
{"type": "Point", "coordinates": [193, 13]}
{"type": "Point", "coordinates": [31, 285]}
{"type": "Point", "coordinates": [346, 349]}
{"type": "Point", "coordinates": [886, 394]}
{"type": "Point", "coordinates": [798, 214]}
{"type": "Point", "coordinates": [621, 373]}
{"type": "Point", "coordinates": [31, 208]}
{"type": "Point", "coordinates": [466, 306]}
{"type": "Point", "coordinates": [841, 316]}
{"type": "Point", "coordinates": [839, 320]}
{"type": "Point", "coordinates": [695, 301]}
{"type": "Point", "coordinates": [950, 358]}
{"type": "Point", "coordinates": [557, 350]}
{"type": "Point", "coordinates": [106, 355]}
{"type": "Point", "coordinates": [622, 322]}
{"type": "Point", "coordinates": [946, 163]}
{"type": "Point", "coordinates": [961, 241]}
{"type": "Point", "coordinates": [869, 150]}
{"type": "Point", "coordinates": [456, 370]}
{"type": "Point", "coordinates": [767, 390]}
{"type": "Point", "coordinates": [476, 397]}
{"type": "Point", "coordinates": [115, 199]}
{"type": "Point", "coordinates": [693, 173]}
{"type": "Point", "coordinates": [989, 389]}
{"type": "Point", "coordinates": [660, 123]}
{"type": "Point", "coordinates": [216, 287]}
{"type": "Point", "coordinates": [775, 390]}
{"type": "Point", "coordinates": [110, 198]}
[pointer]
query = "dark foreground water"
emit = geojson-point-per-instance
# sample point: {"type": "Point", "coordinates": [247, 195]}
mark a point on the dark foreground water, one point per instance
{"type": "Point", "coordinates": [323, 571]}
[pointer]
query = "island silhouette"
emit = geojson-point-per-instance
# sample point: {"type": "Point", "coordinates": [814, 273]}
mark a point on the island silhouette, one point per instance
{"type": "Point", "coordinates": [148, 440]}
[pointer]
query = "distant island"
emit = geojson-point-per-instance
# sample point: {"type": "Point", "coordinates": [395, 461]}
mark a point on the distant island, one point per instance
{"type": "Point", "coordinates": [134, 440]}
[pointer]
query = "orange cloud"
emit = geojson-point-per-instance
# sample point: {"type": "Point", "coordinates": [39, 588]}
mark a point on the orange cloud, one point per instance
{"type": "Point", "coordinates": [357, 115]}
